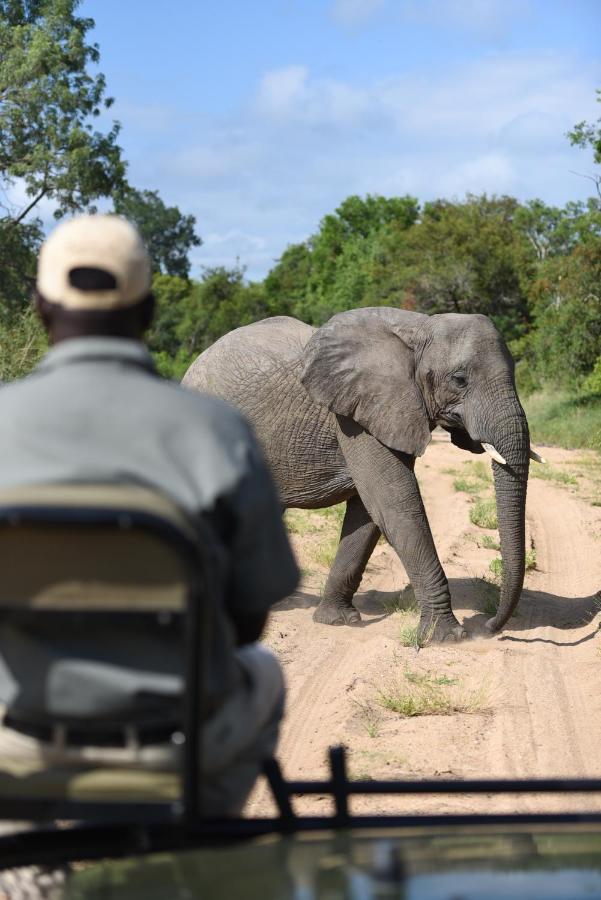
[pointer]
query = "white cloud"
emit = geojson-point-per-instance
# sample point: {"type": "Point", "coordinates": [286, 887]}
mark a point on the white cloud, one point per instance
{"type": "Point", "coordinates": [490, 173]}
{"type": "Point", "coordinates": [490, 19]}
{"type": "Point", "coordinates": [265, 177]}
{"type": "Point", "coordinates": [282, 90]}
{"type": "Point", "coordinates": [355, 12]}
{"type": "Point", "coordinates": [291, 95]}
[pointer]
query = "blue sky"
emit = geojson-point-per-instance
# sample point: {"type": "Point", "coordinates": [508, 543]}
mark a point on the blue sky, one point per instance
{"type": "Point", "coordinates": [260, 117]}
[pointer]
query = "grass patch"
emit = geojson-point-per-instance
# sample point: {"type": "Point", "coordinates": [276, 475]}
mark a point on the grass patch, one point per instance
{"type": "Point", "coordinates": [548, 473]}
{"type": "Point", "coordinates": [298, 521]}
{"type": "Point", "coordinates": [478, 469]}
{"type": "Point", "coordinates": [370, 718]}
{"type": "Point", "coordinates": [484, 514]}
{"type": "Point", "coordinates": [424, 694]}
{"type": "Point", "coordinates": [403, 602]}
{"type": "Point", "coordinates": [334, 514]}
{"type": "Point", "coordinates": [564, 419]}
{"type": "Point", "coordinates": [489, 542]}
{"type": "Point", "coordinates": [409, 635]}
{"type": "Point", "coordinates": [325, 553]}
{"type": "Point", "coordinates": [473, 477]}
{"type": "Point", "coordinates": [467, 486]}
{"type": "Point", "coordinates": [496, 565]}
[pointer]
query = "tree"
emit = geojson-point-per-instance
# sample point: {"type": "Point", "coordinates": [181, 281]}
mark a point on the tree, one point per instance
{"type": "Point", "coordinates": [588, 134]}
{"type": "Point", "coordinates": [218, 304]}
{"type": "Point", "coordinates": [467, 258]}
{"type": "Point", "coordinates": [168, 234]}
{"type": "Point", "coordinates": [48, 103]}
{"type": "Point", "coordinates": [18, 254]}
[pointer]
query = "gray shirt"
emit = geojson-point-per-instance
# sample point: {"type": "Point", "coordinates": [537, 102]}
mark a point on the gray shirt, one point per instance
{"type": "Point", "coordinates": [95, 411]}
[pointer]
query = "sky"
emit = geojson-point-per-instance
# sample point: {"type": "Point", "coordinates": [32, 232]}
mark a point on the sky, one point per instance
{"type": "Point", "coordinates": [261, 117]}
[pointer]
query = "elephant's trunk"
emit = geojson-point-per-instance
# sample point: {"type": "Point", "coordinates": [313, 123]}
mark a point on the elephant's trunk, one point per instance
{"type": "Point", "coordinates": [511, 439]}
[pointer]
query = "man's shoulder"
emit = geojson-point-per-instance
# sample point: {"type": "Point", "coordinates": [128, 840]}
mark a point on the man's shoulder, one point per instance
{"type": "Point", "coordinates": [204, 409]}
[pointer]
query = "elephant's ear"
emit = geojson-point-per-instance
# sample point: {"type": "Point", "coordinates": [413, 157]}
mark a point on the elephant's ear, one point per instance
{"type": "Point", "coordinates": [359, 366]}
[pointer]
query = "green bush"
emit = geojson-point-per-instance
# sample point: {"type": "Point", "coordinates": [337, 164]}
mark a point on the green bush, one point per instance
{"type": "Point", "coordinates": [23, 342]}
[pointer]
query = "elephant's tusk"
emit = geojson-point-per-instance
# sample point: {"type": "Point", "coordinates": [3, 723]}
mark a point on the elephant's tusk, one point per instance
{"type": "Point", "coordinates": [494, 453]}
{"type": "Point", "coordinates": [536, 456]}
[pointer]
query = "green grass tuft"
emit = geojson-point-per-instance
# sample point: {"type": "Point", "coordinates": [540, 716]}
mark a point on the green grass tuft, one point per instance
{"type": "Point", "coordinates": [496, 565]}
{"type": "Point", "coordinates": [548, 473]}
{"type": "Point", "coordinates": [478, 469]}
{"type": "Point", "coordinates": [484, 514]}
{"type": "Point", "coordinates": [403, 602]}
{"type": "Point", "coordinates": [424, 694]}
{"type": "Point", "coordinates": [489, 542]}
{"type": "Point", "coordinates": [409, 635]}
{"type": "Point", "coordinates": [467, 486]}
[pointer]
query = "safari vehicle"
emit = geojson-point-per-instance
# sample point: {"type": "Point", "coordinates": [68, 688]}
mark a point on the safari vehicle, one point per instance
{"type": "Point", "coordinates": [86, 551]}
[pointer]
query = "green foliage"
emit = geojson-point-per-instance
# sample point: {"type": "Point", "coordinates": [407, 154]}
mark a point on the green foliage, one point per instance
{"type": "Point", "coordinates": [218, 304]}
{"type": "Point", "coordinates": [168, 234]}
{"type": "Point", "coordinates": [588, 134]}
{"type": "Point", "coordinates": [591, 386]}
{"type": "Point", "coordinates": [565, 419]}
{"type": "Point", "coordinates": [467, 257]}
{"type": "Point", "coordinates": [342, 266]}
{"type": "Point", "coordinates": [22, 343]}
{"type": "Point", "coordinates": [484, 514]}
{"type": "Point", "coordinates": [566, 340]}
{"type": "Point", "coordinates": [48, 102]}
{"type": "Point", "coordinates": [19, 243]}
{"type": "Point", "coordinates": [548, 473]}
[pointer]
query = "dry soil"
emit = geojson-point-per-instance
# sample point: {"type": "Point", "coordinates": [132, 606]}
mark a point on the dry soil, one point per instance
{"type": "Point", "coordinates": [523, 703]}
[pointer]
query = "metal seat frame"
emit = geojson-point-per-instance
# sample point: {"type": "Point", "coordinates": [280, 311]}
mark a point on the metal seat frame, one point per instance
{"type": "Point", "coordinates": [194, 557]}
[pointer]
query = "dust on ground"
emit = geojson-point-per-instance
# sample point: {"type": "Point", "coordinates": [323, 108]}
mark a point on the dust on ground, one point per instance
{"type": "Point", "coordinates": [524, 703]}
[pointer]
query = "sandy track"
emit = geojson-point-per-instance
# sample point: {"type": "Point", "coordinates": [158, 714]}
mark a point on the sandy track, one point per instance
{"type": "Point", "coordinates": [532, 692]}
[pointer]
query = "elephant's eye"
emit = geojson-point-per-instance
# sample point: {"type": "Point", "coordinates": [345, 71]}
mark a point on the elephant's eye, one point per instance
{"type": "Point", "coordinates": [459, 379]}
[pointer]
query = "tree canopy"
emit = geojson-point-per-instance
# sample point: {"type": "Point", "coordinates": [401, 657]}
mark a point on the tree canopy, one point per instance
{"type": "Point", "coordinates": [168, 234]}
{"type": "Point", "coordinates": [49, 103]}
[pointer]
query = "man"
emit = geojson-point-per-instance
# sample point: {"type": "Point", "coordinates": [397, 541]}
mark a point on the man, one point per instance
{"type": "Point", "coordinates": [95, 411]}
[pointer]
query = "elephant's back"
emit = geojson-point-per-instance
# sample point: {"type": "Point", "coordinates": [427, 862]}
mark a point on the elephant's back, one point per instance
{"type": "Point", "coordinates": [257, 368]}
{"type": "Point", "coordinates": [247, 353]}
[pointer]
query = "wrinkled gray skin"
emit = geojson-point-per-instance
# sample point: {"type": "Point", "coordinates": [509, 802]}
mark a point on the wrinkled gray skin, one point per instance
{"type": "Point", "coordinates": [342, 411]}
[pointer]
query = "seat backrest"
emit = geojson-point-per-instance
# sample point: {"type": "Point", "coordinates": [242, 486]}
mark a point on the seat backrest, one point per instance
{"type": "Point", "coordinates": [81, 548]}
{"type": "Point", "coordinates": [94, 547]}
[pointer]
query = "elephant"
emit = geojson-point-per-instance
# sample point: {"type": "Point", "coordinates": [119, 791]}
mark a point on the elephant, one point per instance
{"type": "Point", "coordinates": [343, 410]}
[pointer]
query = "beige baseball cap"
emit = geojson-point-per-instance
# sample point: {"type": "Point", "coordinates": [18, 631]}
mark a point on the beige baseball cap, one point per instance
{"type": "Point", "coordinates": [108, 243]}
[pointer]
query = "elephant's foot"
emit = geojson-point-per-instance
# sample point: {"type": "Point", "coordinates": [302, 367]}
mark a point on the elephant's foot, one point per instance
{"type": "Point", "coordinates": [330, 613]}
{"type": "Point", "coordinates": [438, 630]}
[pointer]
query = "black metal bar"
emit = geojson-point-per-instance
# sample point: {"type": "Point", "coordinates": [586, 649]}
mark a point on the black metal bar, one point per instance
{"type": "Point", "coordinates": [44, 847]}
{"type": "Point", "coordinates": [190, 756]}
{"type": "Point", "coordinates": [279, 791]}
{"type": "Point", "coordinates": [46, 810]}
{"type": "Point", "coordinates": [543, 786]}
{"type": "Point", "coordinates": [340, 782]}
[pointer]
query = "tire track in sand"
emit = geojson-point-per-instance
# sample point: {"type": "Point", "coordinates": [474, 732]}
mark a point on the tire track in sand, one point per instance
{"type": "Point", "coordinates": [548, 723]}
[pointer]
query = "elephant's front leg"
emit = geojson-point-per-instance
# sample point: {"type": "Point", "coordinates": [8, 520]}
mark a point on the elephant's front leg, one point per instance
{"type": "Point", "coordinates": [388, 487]}
{"type": "Point", "coordinates": [358, 538]}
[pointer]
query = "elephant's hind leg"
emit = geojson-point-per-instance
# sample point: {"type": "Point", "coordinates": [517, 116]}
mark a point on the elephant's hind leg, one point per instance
{"type": "Point", "coordinates": [358, 538]}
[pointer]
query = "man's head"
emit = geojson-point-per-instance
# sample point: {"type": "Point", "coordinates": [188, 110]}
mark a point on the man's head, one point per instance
{"type": "Point", "coordinates": [94, 279]}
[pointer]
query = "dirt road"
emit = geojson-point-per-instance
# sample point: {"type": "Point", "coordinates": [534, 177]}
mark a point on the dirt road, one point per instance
{"type": "Point", "coordinates": [523, 703]}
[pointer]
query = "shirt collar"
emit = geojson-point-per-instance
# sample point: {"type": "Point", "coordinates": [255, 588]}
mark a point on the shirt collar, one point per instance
{"type": "Point", "coordinates": [97, 349]}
